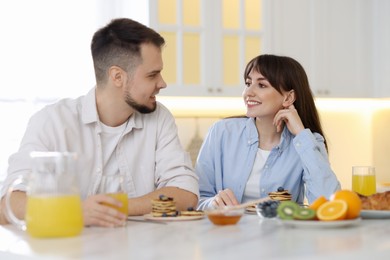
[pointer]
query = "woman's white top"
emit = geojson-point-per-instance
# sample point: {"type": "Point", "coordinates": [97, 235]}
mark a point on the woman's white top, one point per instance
{"type": "Point", "coordinates": [252, 188]}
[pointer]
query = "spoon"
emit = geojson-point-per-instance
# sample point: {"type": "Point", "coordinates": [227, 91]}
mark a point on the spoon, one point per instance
{"type": "Point", "coordinates": [247, 204]}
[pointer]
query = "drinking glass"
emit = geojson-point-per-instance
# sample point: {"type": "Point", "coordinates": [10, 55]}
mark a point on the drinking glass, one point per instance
{"type": "Point", "coordinates": [114, 185]}
{"type": "Point", "coordinates": [363, 180]}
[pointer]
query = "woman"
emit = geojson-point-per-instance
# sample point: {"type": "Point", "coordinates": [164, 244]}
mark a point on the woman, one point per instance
{"type": "Point", "coordinates": [280, 142]}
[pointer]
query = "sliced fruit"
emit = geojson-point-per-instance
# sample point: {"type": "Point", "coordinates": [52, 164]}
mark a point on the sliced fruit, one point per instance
{"type": "Point", "coordinates": [333, 210]}
{"type": "Point", "coordinates": [286, 209]}
{"type": "Point", "coordinates": [318, 202]}
{"type": "Point", "coordinates": [353, 201]}
{"type": "Point", "coordinates": [304, 214]}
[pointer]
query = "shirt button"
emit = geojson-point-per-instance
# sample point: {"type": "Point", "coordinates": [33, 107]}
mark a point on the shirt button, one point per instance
{"type": "Point", "coordinates": [266, 166]}
{"type": "Point", "coordinates": [298, 144]}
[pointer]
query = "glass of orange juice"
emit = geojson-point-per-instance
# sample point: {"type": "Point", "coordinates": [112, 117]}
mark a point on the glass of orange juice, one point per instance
{"type": "Point", "coordinates": [114, 186]}
{"type": "Point", "coordinates": [363, 180]}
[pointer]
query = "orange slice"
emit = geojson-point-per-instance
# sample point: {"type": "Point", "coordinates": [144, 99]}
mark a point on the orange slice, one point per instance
{"type": "Point", "coordinates": [353, 201]}
{"type": "Point", "coordinates": [333, 210]}
{"type": "Point", "coordinates": [318, 202]}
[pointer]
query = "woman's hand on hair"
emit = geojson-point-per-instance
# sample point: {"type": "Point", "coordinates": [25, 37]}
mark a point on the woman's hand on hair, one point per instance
{"type": "Point", "coordinates": [290, 117]}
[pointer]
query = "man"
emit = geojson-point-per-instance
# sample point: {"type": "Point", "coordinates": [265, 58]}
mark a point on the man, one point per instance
{"type": "Point", "coordinates": [117, 127]}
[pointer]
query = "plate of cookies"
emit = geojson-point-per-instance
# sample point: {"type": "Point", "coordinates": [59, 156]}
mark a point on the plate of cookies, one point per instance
{"type": "Point", "coordinates": [164, 209]}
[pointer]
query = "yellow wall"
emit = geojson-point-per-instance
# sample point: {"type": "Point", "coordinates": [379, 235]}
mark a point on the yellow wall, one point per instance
{"type": "Point", "coordinates": [381, 144]}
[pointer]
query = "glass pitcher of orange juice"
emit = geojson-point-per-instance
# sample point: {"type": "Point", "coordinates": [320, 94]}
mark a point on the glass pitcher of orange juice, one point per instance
{"type": "Point", "coordinates": [53, 206]}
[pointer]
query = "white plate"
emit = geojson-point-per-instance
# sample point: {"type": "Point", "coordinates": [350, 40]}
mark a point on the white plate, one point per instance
{"type": "Point", "coordinates": [319, 224]}
{"type": "Point", "coordinates": [375, 214]}
{"type": "Point", "coordinates": [178, 218]}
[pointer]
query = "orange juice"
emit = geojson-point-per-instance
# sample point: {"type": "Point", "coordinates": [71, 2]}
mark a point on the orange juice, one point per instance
{"type": "Point", "coordinates": [54, 216]}
{"type": "Point", "coordinates": [122, 197]}
{"type": "Point", "coordinates": [364, 184]}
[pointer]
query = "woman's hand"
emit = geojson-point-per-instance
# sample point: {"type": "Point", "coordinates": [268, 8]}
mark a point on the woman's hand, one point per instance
{"type": "Point", "coordinates": [225, 198]}
{"type": "Point", "coordinates": [290, 117]}
{"type": "Point", "coordinates": [95, 213]}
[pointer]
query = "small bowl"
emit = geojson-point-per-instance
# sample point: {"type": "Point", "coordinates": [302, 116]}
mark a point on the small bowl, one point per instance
{"type": "Point", "coordinates": [224, 216]}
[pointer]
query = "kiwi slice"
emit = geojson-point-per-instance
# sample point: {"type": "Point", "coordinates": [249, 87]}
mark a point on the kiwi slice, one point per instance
{"type": "Point", "coordinates": [304, 214]}
{"type": "Point", "coordinates": [286, 209]}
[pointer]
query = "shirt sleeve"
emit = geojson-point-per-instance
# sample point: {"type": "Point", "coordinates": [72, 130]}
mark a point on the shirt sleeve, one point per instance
{"type": "Point", "coordinates": [318, 175]}
{"type": "Point", "coordinates": [205, 169]}
{"type": "Point", "coordinates": [173, 163]}
{"type": "Point", "coordinates": [19, 163]}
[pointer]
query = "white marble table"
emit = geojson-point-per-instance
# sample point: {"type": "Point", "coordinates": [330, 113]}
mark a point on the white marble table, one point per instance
{"type": "Point", "coordinates": [251, 238]}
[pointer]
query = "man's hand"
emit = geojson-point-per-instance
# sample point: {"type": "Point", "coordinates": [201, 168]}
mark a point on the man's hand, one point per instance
{"type": "Point", "coordinates": [18, 202]}
{"type": "Point", "coordinates": [95, 213]}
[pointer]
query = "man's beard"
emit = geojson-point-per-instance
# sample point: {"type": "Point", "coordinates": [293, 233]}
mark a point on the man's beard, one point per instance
{"type": "Point", "coordinates": [140, 108]}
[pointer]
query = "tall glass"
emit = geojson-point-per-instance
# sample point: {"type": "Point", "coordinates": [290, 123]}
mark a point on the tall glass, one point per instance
{"type": "Point", "coordinates": [114, 185]}
{"type": "Point", "coordinates": [363, 180]}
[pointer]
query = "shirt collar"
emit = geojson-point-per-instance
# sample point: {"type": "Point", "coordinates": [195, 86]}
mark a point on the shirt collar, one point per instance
{"type": "Point", "coordinates": [89, 112]}
{"type": "Point", "coordinates": [253, 137]}
{"type": "Point", "coordinates": [285, 138]}
{"type": "Point", "coordinates": [136, 121]}
{"type": "Point", "coordinates": [251, 131]}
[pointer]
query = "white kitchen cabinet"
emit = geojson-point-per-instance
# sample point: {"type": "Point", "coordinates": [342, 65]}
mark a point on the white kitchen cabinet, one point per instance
{"type": "Point", "coordinates": [344, 45]}
{"type": "Point", "coordinates": [332, 39]}
{"type": "Point", "coordinates": [381, 48]}
{"type": "Point", "coordinates": [208, 44]}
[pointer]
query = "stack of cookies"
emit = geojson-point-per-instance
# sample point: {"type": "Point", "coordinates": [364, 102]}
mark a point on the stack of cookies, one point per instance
{"type": "Point", "coordinates": [164, 207]}
{"type": "Point", "coordinates": [281, 194]}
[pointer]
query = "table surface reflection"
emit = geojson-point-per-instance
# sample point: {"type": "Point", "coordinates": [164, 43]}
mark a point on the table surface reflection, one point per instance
{"type": "Point", "coordinates": [252, 237]}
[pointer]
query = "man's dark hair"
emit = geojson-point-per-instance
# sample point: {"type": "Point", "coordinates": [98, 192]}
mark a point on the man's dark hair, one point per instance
{"type": "Point", "coordinates": [118, 44]}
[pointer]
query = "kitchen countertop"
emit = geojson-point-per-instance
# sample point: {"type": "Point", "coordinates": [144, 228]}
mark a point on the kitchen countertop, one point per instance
{"type": "Point", "coordinates": [252, 237]}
